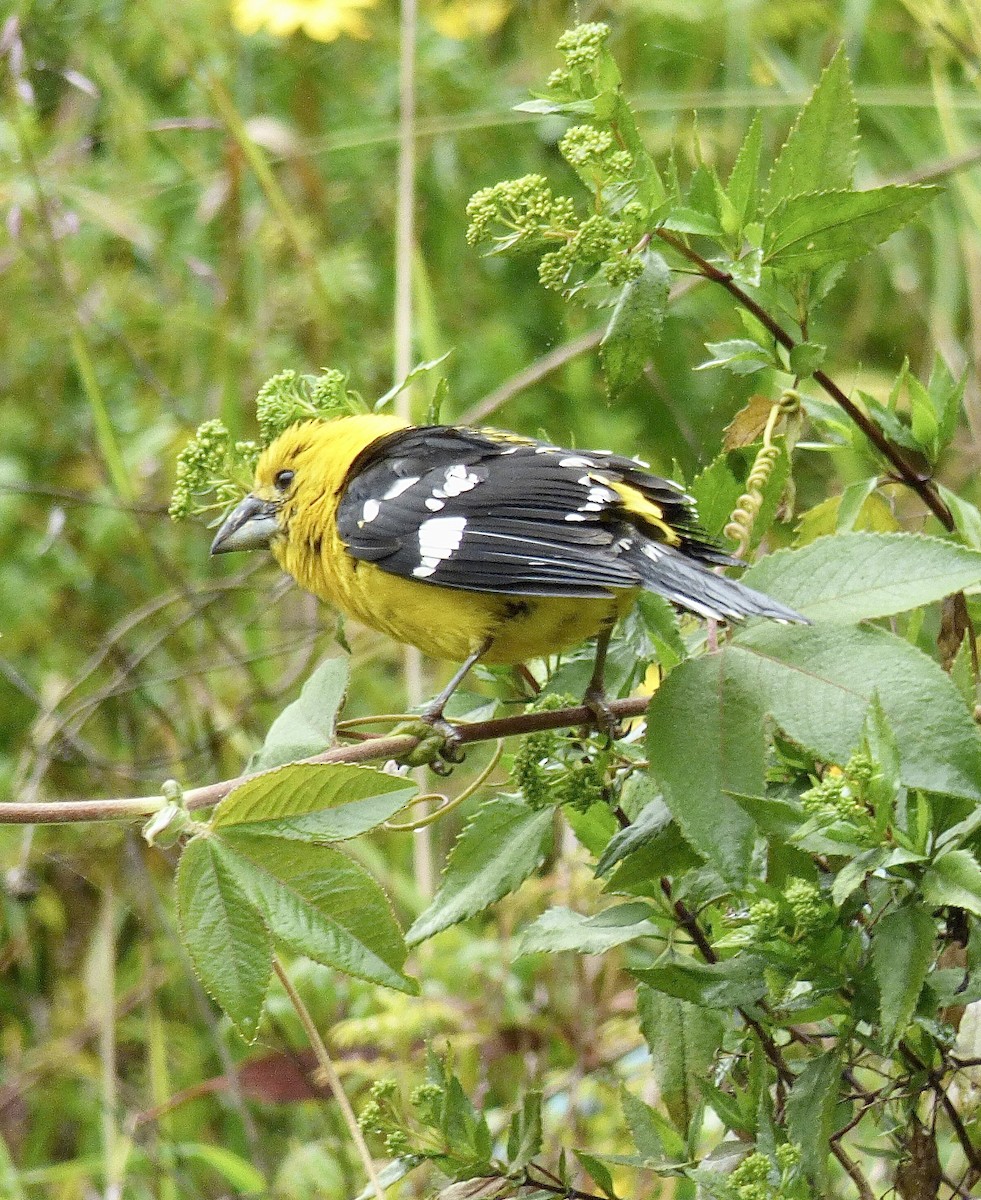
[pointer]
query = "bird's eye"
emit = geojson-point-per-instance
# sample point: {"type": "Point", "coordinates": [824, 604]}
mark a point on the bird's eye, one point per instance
{"type": "Point", "coordinates": [283, 480]}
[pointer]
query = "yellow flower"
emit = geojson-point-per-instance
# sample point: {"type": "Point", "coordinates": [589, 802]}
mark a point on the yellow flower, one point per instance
{"type": "Point", "coordinates": [323, 20]}
{"type": "Point", "coordinates": [461, 19]}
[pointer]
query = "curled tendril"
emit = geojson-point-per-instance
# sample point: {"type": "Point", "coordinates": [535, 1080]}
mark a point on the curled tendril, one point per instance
{"type": "Point", "coordinates": [740, 526]}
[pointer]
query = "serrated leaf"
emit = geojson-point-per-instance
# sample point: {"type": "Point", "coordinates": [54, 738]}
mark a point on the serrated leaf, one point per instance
{"type": "Point", "coordinates": [224, 935]}
{"type": "Point", "coordinates": [644, 1125]}
{"type": "Point", "coordinates": [903, 945]}
{"type": "Point", "coordinates": [741, 188]}
{"type": "Point", "coordinates": [818, 681]}
{"type": "Point", "coordinates": [954, 878]}
{"type": "Point", "coordinates": [560, 929]}
{"type": "Point", "coordinates": [729, 757]}
{"type": "Point", "coordinates": [635, 325]}
{"type": "Point", "coordinates": [806, 357]}
{"type": "Point", "coordinates": [811, 1112]}
{"type": "Point", "coordinates": [733, 983]}
{"type": "Point", "coordinates": [320, 903]}
{"type": "Point", "coordinates": [683, 1041]}
{"type": "Point", "coordinates": [648, 824]}
{"type": "Point", "coordinates": [598, 1172]}
{"type": "Point", "coordinates": [858, 576]}
{"type": "Point", "coordinates": [740, 356]}
{"type": "Point", "coordinates": [718, 488]}
{"type": "Point", "coordinates": [525, 1132]}
{"type": "Point", "coordinates": [747, 426]}
{"type": "Point", "coordinates": [821, 148]}
{"type": "Point", "coordinates": [500, 847]}
{"type": "Point", "coordinates": [822, 228]}
{"type": "Point", "coordinates": [306, 727]}
{"type": "Point", "coordinates": [313, 802]}
{"type": "Point", "coordinates": [682, 219]}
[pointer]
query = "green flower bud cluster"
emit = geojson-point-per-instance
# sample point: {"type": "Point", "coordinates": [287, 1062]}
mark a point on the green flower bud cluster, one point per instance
{"type": "Point", "coordinates": [427, 1100]}
{"type": "Point", "coordinates": [545, 778]}
{"type": "Point", "coordinates": [764, 915]}
{"type": "Point", "coordinates": [518, 211]}
{"type": "Point", "coordinates": [290, 397]}
{"type": "Point", "coordinates": [809, 908]}
{"type": "Point", "coordinates": [206, 464]}
{"type": "Point", "coordinates": [582, 46]}
{"type": "Point", "coordinates": [760, 1178]}
{"type": "Point", "coordinates": [843, 795]}
{"type": "Point", "coordinates": [214, 472]}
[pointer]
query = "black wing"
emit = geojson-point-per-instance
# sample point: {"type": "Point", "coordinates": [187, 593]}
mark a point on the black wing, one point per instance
{"type": "Point", "coordinates": [485, 513]}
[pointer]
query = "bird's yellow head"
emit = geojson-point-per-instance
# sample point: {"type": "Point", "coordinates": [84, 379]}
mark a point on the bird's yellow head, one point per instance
{"type": "Point", "coordinates": [298, 481]}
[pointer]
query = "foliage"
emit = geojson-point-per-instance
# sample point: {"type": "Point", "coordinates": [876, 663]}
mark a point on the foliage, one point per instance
{"type": "Point", "coordinates": [731, 954]}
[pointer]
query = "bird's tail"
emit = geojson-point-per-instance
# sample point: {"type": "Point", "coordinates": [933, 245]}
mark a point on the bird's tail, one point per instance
{"type": "Point", "coordinates": [693, 585]}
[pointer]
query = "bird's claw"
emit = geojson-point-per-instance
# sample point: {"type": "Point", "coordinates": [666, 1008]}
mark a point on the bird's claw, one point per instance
{"type": "Point", "coordinates": [439, 746]}
{"type": "Point", "coordinates": [598, 704]}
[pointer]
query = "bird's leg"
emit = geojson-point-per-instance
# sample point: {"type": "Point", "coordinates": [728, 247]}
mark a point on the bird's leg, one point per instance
{"type": "Point", "coordinates": [432, 714]}
{"type": "Point", "coordinates": [595, 698]}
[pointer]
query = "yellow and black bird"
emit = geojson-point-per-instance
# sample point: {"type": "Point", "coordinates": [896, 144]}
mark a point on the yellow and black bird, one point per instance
{"type": "Point", "coordinates": [476, 544]}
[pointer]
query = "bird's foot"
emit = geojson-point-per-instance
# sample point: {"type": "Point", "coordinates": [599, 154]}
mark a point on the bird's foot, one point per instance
{"type": "Point", "coordinates": [439, 746]}
{"type": "Point", "coordinates": [598, 704]}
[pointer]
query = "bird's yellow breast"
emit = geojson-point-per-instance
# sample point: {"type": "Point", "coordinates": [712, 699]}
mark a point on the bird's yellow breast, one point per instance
{"type": "Point", "coordinates": [443, 622]}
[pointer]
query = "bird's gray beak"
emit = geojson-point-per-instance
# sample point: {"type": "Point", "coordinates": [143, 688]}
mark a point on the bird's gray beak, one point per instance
{"type": "Point", "coordinates": [249, 526]}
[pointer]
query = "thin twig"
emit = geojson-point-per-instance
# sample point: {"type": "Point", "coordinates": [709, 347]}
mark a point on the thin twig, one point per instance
{"type": "Point", "coordinates": [330, 1078]}
{"type": "Point", "coordinates": [923, 486]}
{"type": "Point", "coordinates": [395, 746]}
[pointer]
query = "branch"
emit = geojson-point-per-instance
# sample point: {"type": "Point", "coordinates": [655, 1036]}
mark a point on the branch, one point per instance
{"type": "Point", "coordinates": [372, 749]}
{"type": "Point", "coordinates": [920, 484]}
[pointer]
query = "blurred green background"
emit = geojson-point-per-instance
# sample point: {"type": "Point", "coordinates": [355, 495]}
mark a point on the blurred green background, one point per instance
{"type": "Point", "coordinates": [198, 194]}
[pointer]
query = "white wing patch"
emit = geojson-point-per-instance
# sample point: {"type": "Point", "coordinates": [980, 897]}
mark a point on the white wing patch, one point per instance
{"type": "Point", "coordinates": [439, 537]}
{"type": "Point", "coordinates": [457, 479]}
{"type": "Point", "coordinates": [400, 486]}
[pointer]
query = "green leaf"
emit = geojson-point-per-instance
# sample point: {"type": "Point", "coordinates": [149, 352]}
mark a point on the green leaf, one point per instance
{"type": "Point", "coordinates": [391, 1173]}
{"type": "Point", "coordinates": [740, 356]}
{"type": "Point", "coordinates": [500, 847]}
{"type": "Point", "coordinates": [683, 1040]}
{"type": "Point", "coordinates": [903, 945]}
{"type": "Point", "coordinates": [635, 325]}
{"type": "Point", "coordinates": [682, 219]}
{"type": "Point", "coordinates": [235, 1170]}
{"type": "Point", "coordinates": [742, 188]}
{"type": "Point", "coordinates": [320, 903]}
{"type": "Point", "coordinates": [967, 518]}
{"type": "Point", "coordinates": [731, 984]}
{"type": "Point", "coordinates": [818, 681]}
{"type": "Point", "coordinates": [711, 691]}
{"type": "Point", "coordinates": [857, 576]}
{"type": "Point", "coordinates": [306, 727]}
{"type": "Point", "coordinates": [650, 822]}
{"type": "Point", "coordinates": [9, 1178]}
{"type": "Point", "coordinates": [562, 929]}
{"type": "Point", "coordinates": [852, 502]}
{"type": "Point", "coordinates": [660, 622]}
{"type": "Point", "coordinates": [806, 357]}
{"type": "Point", "coordinates": [525, 1132]}
{"type": "Point", "coordinates": [822, 146]}
{"type": "Point", "coordinates": [811, 1113]}
{"type": "Point", "coordinates": [224, 935]}
{"type": "Point", "coordinates": [718, 487]}
{"type": "Point", "coordinates": [821, 228]}
{"type": "Point", "coordinates": [598, 1172]}
{"type": "Point", "coordinates": [954, 878]}
{"type": "Point", "coordinates": [644, 1124]}
{"type": "Point", "coordinates": [312, 802]}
